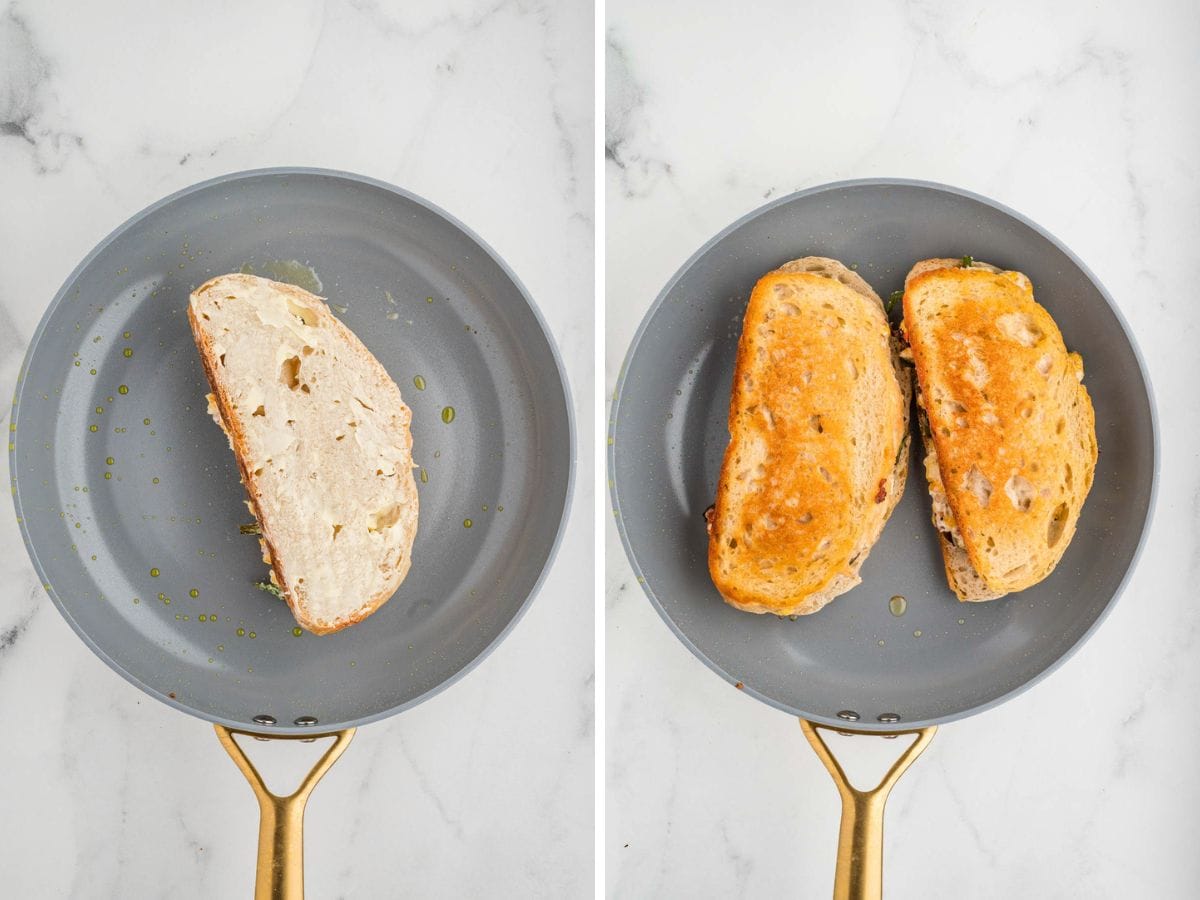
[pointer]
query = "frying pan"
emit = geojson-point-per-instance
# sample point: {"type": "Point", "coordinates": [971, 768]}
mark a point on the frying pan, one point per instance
{"type": "Point", "coordinates": [855, 666]}
{"type": "Point", "coordinates": [128, 496]}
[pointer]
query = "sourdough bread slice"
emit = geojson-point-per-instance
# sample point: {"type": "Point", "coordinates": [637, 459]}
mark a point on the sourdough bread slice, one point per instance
{"type": "Point", "coordinates": [1008, 426]}
{"type": "Point", "coordinates": [818, 422]}
{"type": "Point", "coordinates": [321, 436]}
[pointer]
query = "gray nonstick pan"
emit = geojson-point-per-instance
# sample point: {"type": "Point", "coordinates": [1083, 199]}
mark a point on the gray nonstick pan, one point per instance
{"type": "Point", "coordinates": [856, 665]}
{"type": "Point", "coordinates": [128, 495]}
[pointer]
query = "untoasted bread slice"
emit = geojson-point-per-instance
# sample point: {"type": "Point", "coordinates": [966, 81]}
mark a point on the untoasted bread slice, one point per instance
{"type": "Point", "coordinates": [1008, 426]}
{"type": "Point", "coordinates": [818, 424]}
{"type": "Point", "coordinates": [322, 439]}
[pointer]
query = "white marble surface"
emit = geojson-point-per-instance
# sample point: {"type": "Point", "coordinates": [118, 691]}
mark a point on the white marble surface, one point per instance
{"type": "Point", "coordinates": [1081, 115]}
{"type": "Point", "coordinates": [484, 108]}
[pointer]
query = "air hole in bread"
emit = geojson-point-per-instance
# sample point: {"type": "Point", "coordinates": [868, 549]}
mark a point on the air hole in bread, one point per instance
{"type": "Point", "coordinates": [205, 317]}
{"type": "Point", "coordinates": [1020, 492]}
{"type": "Point", "coordinates": [258, 471]}
{"type": "Point", "coordinates": [732, 542]}
{"type": "Point", "coordinates": [261, 411]}
{"type": "Point", "coordinates": [1060, 426]}
{"type": "Point", "coordinates": [956, 407]}
{"type": "Point", "coordinates": [222, 358]}
{"type": "Point", "coordinates": [825, 474]}
{"type": "Point", "coordinates": [340, 437]}
{"type": "Point", "coordinates": [1043, 365]}
{"type": "Point", "coordinates": [291, 421]}
{"type": "Point", "coordinates": [769, 416]}
{"type": "Point", "coordinates": [303, 313]}
{"type": "Point", "coordinates": [790, 309]}
{"type": "Point", "coordinates": [807, 377]}
{"type": "Point", "coordinates": [841, 322]}
{"type": "Point", "coordinates": [289, 372]}
{"type": "Point", "coordinates": [977, 370]}
{"type": "Point", "coordinates": [1068, 475]}
{"type": "Point", "coordinates": [307, 351]}
{"type": "Point", "coordinates": [814, 422]}
{"type": "Point", "coordinates": [336, 529]}
{"type": "Point", "coordinates": [805, 518]}
{"type": "Point", "coordinates": [1020, 327]}
{"type": "Point", "coordinates": [826, 306]}
{"type": "Point", "coordinates": [852, 369]}
{"type": "Point", "coordinates": [305, 389]}
{"type": "Point", "coordinates": [979, 485]}
{"type": "Point", "coordinates": [384, 518]}
{"type": "Point", "coordinates": [1027, 412]}
{"type": "Point", "coordinates": [824, 545]}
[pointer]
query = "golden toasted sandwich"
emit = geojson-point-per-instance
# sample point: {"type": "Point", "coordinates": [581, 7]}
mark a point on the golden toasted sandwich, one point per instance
{"type": "Point", "coordinates": [1008, 427]}
{"type": "Point", "coordinates": [818, 424]}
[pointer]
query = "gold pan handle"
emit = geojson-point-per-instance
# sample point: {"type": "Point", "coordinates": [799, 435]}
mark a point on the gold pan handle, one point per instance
{"type": "Point", "coordinates": [281, 819]}
{"type": "Point", "coordinates": [859, 873]}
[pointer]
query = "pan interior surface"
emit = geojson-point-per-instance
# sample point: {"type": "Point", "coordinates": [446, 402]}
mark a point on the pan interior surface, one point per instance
{"type": "Point", "coordinates": [941, 659]}
{"type": "Point", "coordinates": [128, 494]}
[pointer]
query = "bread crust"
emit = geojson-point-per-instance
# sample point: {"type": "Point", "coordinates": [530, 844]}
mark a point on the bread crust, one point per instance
{"type": "Point", "coordinates": [1011, 429]}
{"type": "Point", "coordinates": [818, 425]}
{"type": "Point", "coordinates": [232, 426]}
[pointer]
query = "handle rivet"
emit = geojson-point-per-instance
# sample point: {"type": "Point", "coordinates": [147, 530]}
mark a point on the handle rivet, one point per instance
{"type": "Point", "coordinates": [305, 721]}
{"type": "Point", "coordinates": [849, 715]}
{"type": "Point", "coordinates": [264, 719]}
{"type": "Point", "coordinates": [888, 718]}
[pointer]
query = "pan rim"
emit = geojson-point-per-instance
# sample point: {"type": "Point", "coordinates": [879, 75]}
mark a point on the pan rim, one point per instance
{"type": "Point", "coordinates": [334, 174]}
{"type": "Point", "coordinates": [643, 327]}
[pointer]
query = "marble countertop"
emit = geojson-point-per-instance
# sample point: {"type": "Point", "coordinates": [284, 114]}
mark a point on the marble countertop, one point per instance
{"type": "Point", "coordinates": [485, 109]}
{"type": "Point", "coordinates": [1076, 114]}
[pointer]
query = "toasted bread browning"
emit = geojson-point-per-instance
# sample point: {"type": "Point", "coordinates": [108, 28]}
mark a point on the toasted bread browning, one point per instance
{"type": "Point", "coordinates": [321, 436]}
{"type": "Point", "coordinates": [818, 420]}
{"type": "Point", "coordinates": [1008, 426]}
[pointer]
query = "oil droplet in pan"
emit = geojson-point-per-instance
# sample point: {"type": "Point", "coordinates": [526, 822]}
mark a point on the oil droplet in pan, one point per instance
{"type": "Point", "coordinates": [448, 414]}
{"type": "Point", "coordinates": [424, 477]}
{"type": "Point", "coordinates": [123, 389]}
{"type": "Point", "coordinates": [154, 573]}
{"type": "Point", "coordinates": [897, 605]}
{"type": "Point", "coordinates": [467, 523]}
{"type": "Point", "coordinates": [419, 382]}
{"type": "Point", "coordinates": [297, 631]}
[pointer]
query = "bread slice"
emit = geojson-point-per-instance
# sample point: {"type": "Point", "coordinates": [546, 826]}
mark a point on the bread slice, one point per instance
{"type": "Point", "coordinates": [818, 423]}
{"type": "Point", "coordinates": [321, 436]}
{"type": "Point", "coordinates": [1009, 431]}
